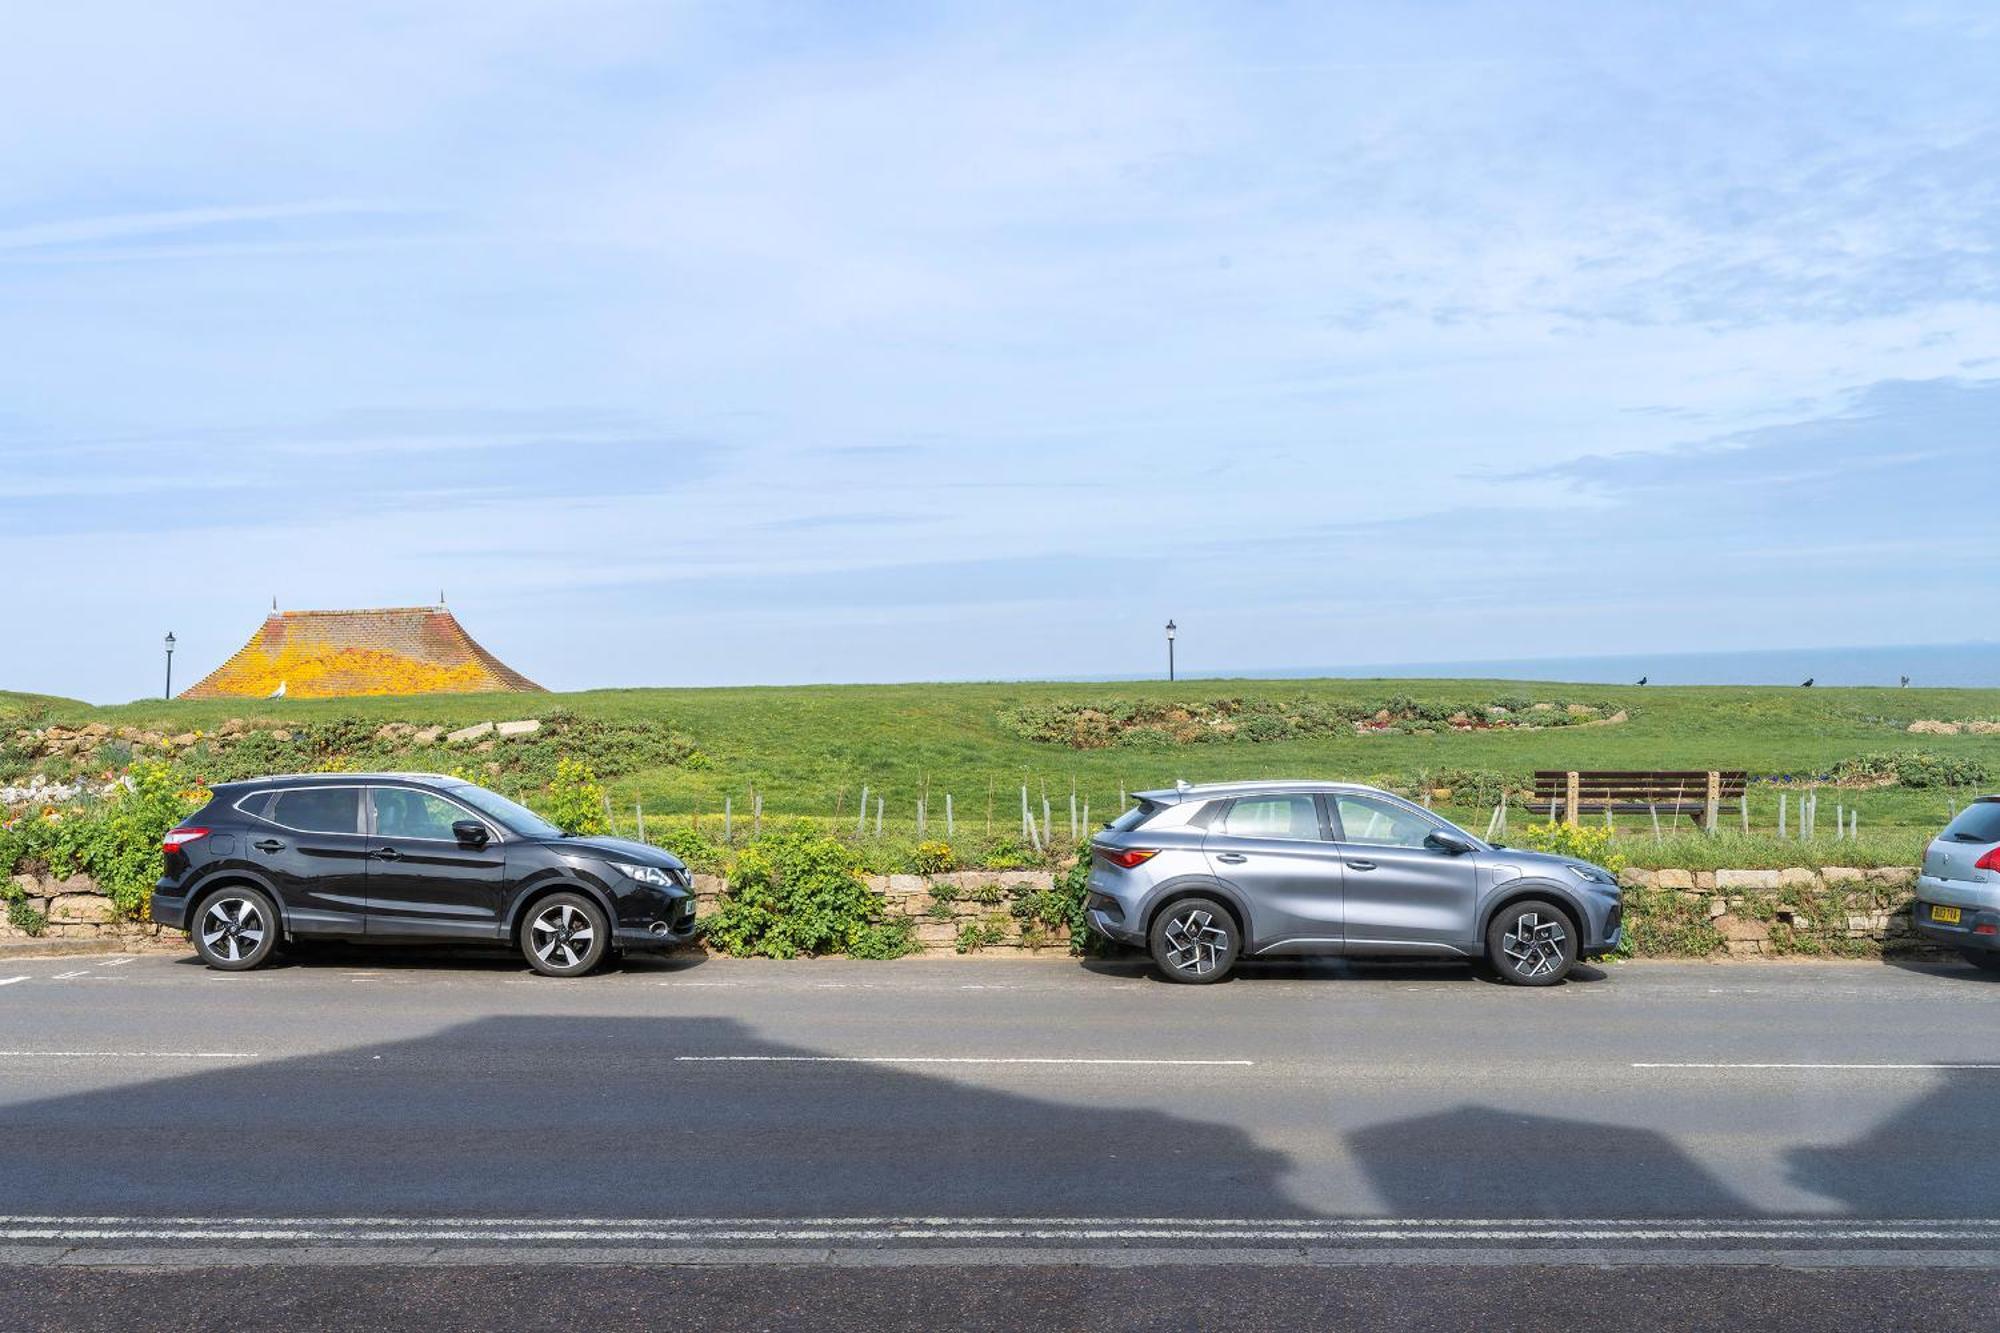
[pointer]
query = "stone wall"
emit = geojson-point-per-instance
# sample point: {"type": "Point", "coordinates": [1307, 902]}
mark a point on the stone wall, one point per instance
{"type": "Point", "coordinates": [1749, 913]}
{"type": "Point", "coordinates": [1755, 913]}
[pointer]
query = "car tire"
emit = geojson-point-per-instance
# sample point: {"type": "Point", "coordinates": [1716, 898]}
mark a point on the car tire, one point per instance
{"type": "Point", "coordinates": [235, 929]}
{"type": "Point", "coordinates": [1194, 941]}
{"type": "Point", "coordinates": [1984, 959]}
{"type": "Point", "coordinates": [565, 935]}
{"type": "Point", "coordinates": [1531, 943]}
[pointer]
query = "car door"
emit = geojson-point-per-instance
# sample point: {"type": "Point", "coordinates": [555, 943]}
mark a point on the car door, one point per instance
{"type": "Point", "coordinates": [421, 880]}
{"type": "Point", "coordinates": [1273, 852]}
{"type": "Point", "coordinates": [310, 843]}
{"type": "Point", "coordinates": [1401, 895]}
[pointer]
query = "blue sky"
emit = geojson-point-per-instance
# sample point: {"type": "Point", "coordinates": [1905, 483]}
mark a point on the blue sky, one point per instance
{"type": "Point", "coordinates": [767, 343]}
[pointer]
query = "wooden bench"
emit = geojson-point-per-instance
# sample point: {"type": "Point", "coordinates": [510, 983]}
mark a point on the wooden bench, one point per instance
{"type": "Point", "coordinates": [1700, 795]}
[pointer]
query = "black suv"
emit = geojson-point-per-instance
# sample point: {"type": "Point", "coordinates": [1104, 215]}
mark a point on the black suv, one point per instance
{"type": "Point", "coordinates": [410, 858]}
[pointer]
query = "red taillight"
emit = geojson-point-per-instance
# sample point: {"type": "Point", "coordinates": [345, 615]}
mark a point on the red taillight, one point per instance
{"type": "Point", "coordinates": [1988, 928]}
{"type": "Point", "coordinates": [181, 837]}
{"type": "Point", "coordinates": [1128, 857]}
{"type": "Point", "coordinates": [1990, 861]}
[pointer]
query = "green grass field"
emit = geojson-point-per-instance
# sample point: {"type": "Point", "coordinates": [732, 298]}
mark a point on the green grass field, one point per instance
{"type": "Point", "coordinates": [810, 750]}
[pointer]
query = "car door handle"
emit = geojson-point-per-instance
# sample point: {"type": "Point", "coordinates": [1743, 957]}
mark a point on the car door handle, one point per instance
{"type": "Point", "coordinates": [269, 845]}
{"type": "Point", "coordinates": [1360, 865]}
{"type": "Point", "coordinates": [386, 854]}
{"type": "Point", "coordinates": [1233, 858]}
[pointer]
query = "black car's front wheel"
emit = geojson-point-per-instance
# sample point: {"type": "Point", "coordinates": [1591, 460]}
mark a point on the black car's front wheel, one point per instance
{"type": "Point", "coordinates": [235, 929]}
{"type": "Point", "coordinates": [566, 935]}
{"type": "Point", "coordinates": [1531, 944]}
{"type": "Point", "coordinates": [1195, 941]}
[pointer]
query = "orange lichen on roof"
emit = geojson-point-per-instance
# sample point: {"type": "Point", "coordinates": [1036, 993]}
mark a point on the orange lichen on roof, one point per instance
{"type": "Point", "coordinates": [328, 654]}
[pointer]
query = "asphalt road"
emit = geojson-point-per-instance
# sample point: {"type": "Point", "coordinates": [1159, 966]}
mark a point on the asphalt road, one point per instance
{"type": "Point", "coordinates": [357, 1138]}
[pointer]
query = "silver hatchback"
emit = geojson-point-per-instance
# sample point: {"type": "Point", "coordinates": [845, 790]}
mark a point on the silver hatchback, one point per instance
{"type": "Point", "coordinates": [1958, 890]}
{"type": "Point", "coordinates": [1204, 876]}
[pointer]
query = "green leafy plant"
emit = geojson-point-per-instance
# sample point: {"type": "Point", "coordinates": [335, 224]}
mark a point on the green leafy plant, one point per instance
{"type": "Point", "coordinates": [933, 858]}
{"type": "Point", "coordinates": [576, 799]}
{"type": "Point", "coordinates": [798, 892]}
{"type": "Point", "coordinates": [1585, 842]}
{"type": "Point", "coordinates": [976, 935]}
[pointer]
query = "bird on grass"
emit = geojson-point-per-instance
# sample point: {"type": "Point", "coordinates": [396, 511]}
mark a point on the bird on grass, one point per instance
{"type": "Point", "coordinates": [1644, 679]}
{"type": "Point", "coordinates": [1807, 683]}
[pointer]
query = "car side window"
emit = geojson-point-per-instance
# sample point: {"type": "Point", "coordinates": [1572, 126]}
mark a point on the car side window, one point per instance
{"type": "Point", "coordinates": [1294, 817]}
{"type": "Point", "coordinates": [1374, 823]}
{"type": "Point", "coordinates": [318, 810]}
{"type": "Point", "coordinates": [403, 813]}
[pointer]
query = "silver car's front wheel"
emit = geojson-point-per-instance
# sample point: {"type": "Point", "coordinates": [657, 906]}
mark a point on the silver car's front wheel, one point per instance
{"type": "Point", "coordinates": [1194, 940]}
{"type": "Point", "coordinates": [565, 936]}
{"type": "Point", "coordinates": [1531, 944]}
{"type": "Point", "coordinates": [235, 930]}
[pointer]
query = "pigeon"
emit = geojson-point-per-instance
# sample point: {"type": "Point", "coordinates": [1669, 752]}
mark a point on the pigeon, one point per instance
{"type": "Point", "coordinates": [1807, 684]}
{"type": "Point", "coordinates": [1644, 679]}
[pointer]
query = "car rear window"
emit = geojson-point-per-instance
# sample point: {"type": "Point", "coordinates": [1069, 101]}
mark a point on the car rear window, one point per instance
{"type": "Point", "coordinates": [1134, 817]}
{"type": "Point", "coordinates": [1978, 822]}
{"type": "Point", "coordinates": [319, 809]}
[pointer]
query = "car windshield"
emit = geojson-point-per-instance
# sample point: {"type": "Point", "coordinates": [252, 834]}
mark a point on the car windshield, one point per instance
{"type": "Point", "coordinates": [514, 816]}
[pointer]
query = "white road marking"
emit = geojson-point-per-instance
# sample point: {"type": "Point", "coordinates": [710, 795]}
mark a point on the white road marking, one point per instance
{"type": "Point", "coordinates": [134, 1055]}
{"type": "Point", "coordinates": [116, 962]}
{"type": "Point", "coordinates": [68, 976]}
{"type": "Point", "coordinates": [1804, 1065]}
{"type": "Point", "coordinates": [8, 981]}
{"type": "Point", "coordinates": [936, 1060]}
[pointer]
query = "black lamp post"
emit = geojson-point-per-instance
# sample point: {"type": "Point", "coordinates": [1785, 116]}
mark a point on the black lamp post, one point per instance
{"type": "Point", "coordinates": [170, 665]}
{"type": "Point", "coordinates": [1170, 649]}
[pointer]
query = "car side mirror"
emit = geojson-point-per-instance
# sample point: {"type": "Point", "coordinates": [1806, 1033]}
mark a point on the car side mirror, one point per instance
{"type": "Point", "coordinates": [1448, 842]}
{"type": "Point", "coordinates": [470, 833]}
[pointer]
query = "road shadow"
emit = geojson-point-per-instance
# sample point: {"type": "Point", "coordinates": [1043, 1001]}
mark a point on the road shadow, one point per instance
{"type": "Point", "coordinates": [604, 1116]}
{"type": "Point", "coordinates": [1932, 1158]}
{"type": "Point", "coordinates": [1332, 969]}
{"type": "Point", "coordinates": [427, 957]}
{"type": "Point", "coordinates": [1480, 1161]}
{"type": "Point", "coordinates": [1947, 967]}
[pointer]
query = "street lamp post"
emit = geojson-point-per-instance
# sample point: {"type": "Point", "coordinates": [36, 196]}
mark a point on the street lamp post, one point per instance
{"type": "Point", "coordinates": [170, 665]}
{"type": "Point", "coordinates": [1170, 649]}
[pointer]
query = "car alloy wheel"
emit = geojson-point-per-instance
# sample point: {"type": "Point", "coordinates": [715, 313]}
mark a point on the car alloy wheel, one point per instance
{"type": "Point", "coordinates": [1194, 941]}
{"type": "Point", "coordinates": [1532, 944]}
{"type": "Point", "coordinates": [565, 936]}
{"type": "Point", "coordinates": [235, 931]}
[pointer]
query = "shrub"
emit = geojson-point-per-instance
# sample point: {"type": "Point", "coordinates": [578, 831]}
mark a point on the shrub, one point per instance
{"type": "Point", "coordinates": [891, 937]}
{"type": "Point", "coordinates": [1913, 768]}
{"type": "Point", "coordinates": [1585, 842]}
{"type": "Point", "coordinates": [798, 893]}
{"type": "Point", "coordinates": [933, 858]}
{"type": "Point", "coordinates": [576, 799]}
{"type": "Point", "coordinates": [696, 852]}
{"type": "Point", "coordinates": [976, 935]}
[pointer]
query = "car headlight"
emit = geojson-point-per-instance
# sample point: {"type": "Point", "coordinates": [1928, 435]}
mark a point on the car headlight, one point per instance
{"type": "Point", "coordinates": [653, 875]}
{"type": "Point", "coordinates": [1590, 874]}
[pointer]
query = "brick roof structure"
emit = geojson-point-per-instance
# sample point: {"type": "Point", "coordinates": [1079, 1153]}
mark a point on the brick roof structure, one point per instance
{"type": "Point", "coordinates": [330, 654]}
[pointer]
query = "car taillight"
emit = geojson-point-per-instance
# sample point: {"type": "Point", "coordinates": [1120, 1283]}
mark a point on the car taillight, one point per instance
{"type": "Point", "coordinates": [181, 837]}
{"type": "Point", "coordinates": [1990, 861]}
{"type": "Point", "coordinates": [1128, 857]}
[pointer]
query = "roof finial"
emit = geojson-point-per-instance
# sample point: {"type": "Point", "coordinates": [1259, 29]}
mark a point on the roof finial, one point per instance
{"type": "Point", "coordinates": [440, 596]}
{"type": "Point", "coordinates": [274, 603]}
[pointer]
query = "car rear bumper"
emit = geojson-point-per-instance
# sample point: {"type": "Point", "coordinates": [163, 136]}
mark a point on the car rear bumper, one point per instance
{"type": "Point", "coordinates": [168, 910]}
{"type": "Point", "coordinates": [1978, 924]}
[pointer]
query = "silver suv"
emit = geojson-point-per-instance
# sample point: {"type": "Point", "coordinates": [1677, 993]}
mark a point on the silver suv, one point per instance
{"type": "Point", "coordinates": [1203, 876]}
{"type": "Point", "coordinates": [1958, 891]}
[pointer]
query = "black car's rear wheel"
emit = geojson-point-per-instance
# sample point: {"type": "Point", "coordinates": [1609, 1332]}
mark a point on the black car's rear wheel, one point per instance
{"type": "Point", "coordinates": [1531, 944]}
{"type": "Point", "coordinates": [565, 935]}
{"type": "Point", "coordinates": [234, 930]}
{"type": "Point", "coordinates": [1985, 960]}
{"type": "Point", "coordinates": [1195, 941]}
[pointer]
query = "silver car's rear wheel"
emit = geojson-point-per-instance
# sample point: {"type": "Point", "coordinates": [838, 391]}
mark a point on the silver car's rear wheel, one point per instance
{"type": "Point", "coordinates": [235, 930]}
{"type": "Point", "coordinates": [1194, 940]}
{"type": "Point", "coordinates": [565, 935]}
{"type": "Point", "coordinates": [1531, 944]}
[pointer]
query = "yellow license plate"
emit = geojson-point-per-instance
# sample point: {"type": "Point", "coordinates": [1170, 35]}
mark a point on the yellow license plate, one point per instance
{"type": "Point", "coordinates": [1945, 916]}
